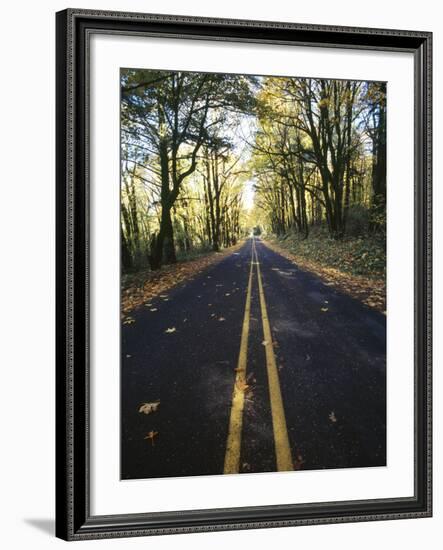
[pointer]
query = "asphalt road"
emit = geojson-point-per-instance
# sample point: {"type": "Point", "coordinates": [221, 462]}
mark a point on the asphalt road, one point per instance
{"type": "Point", "coordinates": [314, 391]}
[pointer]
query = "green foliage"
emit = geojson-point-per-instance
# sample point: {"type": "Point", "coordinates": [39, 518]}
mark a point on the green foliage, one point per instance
{"type": "Point", "coordinates": [357, 224]}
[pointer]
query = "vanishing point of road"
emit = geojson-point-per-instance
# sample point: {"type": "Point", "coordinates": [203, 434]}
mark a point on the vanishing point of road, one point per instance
{"type": "Point", "coordinates": [258, 366]}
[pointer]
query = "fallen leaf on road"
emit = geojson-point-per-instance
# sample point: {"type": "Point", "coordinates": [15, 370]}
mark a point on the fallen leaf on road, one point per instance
{"type": "Point", "coordinates": [128, 356]}
{"type": "Point", "coordinates": [221, 319]}
{"type": "Point", "coordinates": [242, 386]}
{"type": "Point", "coordinates": [298, 462]}
{"type": "Point", "coordinates": [149, 408]}
{"type": "Point", "coordinates": [264, 343]}
{"type": "Point", "coordinates": [153, 309]}
{"type": "Point", "coordinates": [170, 330]}
{"type": "Point", "coordinates": [227, 294]}
{"type": "Point", "coordinates": [151, 435]}
{"type": "Point", "coordinates": [148, 305]}
{"type": "Point", "coordinates": [129, 321]}
{"type": "Point", "coordinates": [163, 295]}
{"type": "Point", "coordinates": [324, 309]}
{"type": "Point", "coordinates": [332, 417]}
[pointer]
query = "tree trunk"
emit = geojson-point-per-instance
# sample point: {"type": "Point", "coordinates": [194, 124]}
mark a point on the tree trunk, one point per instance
{"type": "Point", "coordinates": [168, 237]}
{"type": "Point", "coordinates": [126, 253]}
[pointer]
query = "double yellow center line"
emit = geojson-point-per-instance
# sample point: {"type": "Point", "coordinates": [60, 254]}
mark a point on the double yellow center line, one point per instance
{"type": "Point", "coordinates": [281, 440]}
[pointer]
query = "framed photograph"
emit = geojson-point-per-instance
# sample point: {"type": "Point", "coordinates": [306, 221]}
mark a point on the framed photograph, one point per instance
{"type": "Point", "coordinates": [243, 274]}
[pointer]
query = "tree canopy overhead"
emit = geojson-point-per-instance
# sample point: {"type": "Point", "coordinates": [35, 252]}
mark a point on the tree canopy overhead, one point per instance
{"type": "Point", "coordinates": [193, 145]}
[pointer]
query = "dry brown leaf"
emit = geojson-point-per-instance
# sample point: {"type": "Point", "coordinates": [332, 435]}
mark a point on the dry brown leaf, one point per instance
{"type": "Point", "coordinates": [151, 435]}
{"type": "Point", "coordinates": [242, 385]}
{"type": "Point", "coordinates": [148, 408]}
{"type": "Point", "coordinates": [298, 462]}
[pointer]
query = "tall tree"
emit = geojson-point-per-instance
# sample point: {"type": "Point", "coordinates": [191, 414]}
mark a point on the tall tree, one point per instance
{"type": "Point", "coordinates": [172, 114]}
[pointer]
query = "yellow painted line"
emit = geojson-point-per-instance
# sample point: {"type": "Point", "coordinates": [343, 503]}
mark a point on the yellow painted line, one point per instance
{"type": "Point", "coordinates": [232, 456]}
{"type": "Point", "coordinates": [282, 447]}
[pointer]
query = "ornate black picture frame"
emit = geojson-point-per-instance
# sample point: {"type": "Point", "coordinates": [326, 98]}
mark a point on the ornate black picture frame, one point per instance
{"type": "Point", "coordinates": [74, 520]}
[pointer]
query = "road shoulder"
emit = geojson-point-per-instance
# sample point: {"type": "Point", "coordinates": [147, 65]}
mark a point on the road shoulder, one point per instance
{"type": "Point", "coordinates": [146, 285]}
{"type": "Point", "coordinates": [371, 292]}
